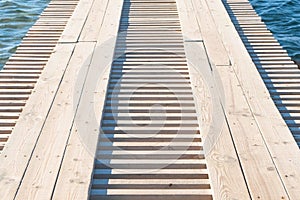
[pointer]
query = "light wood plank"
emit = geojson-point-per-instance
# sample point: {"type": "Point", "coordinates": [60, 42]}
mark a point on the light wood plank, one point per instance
{"type": "Point", "coordinates": [257, 163]}
{"type": "Point", "coordinates": [277, 137]}
{"type": "Point", "coordinates": [94, 21]}
{"type": "Point", "coordinates": [72, 32]}
{"type": "Point", "coordinates": [188, 21]}
{"type": "Point", "coordinates": [75, 174]}
{"type": "Point", "coordinates": [225, 172]}
{"type": "Point", "coordinates": [16, 155]}
{"type": "Point", "coordinates": [39, 179]}
{"type": "Point", "coordinates": [213, 44]}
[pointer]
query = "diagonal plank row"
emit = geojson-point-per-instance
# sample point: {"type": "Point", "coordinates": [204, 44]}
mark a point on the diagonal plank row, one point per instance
{"type": "Point", "coordinates": [279, 73]}
{"type": "Point", "coordinates": [150, 146]}
{"type": "Point", "coordinates": [23, 69]}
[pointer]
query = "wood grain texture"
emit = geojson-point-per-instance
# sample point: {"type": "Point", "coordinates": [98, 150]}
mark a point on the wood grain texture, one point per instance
{"type": "Point", "coordinates": [275, 69]}
{"type": "Point", "coordinates": [266, 115]}
{"type": "Point", "coordinates": [28, 61]}
{"type": "Point", "coordinates": [15, 160]}
{"type": "Point", "coordinates": [94, 21]}
{"type": "Point", "coordinates": [256, 162]}
{"type": "Point", "coordinates": [188, 21]}
{"type": "Point", "coordinates": [77, 167]}
{"type": "Point", "coordinates": [213, 44]}
{"type": "Point", "coordinates": [225, 171]}
{"type": "Point", "coordinates": [253, 155]}
{"type": "Point", "coordinates": [72, 32]}
{"type": "Point", "coordinates": [44, 166]}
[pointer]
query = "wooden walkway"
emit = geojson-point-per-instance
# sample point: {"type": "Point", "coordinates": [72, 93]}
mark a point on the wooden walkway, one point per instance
{"type": "Point", "coordinates": [279, 73]}
{"type": "Point", "coordinates": [182, 109]}
{"type": "Point", "coordinates": [24, 68]}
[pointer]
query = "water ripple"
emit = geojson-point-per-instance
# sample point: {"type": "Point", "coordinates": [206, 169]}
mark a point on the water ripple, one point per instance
{"type": "Point", "coordinates": [16, 17]}
{"type": "Point", "coordinates": [282, 17]}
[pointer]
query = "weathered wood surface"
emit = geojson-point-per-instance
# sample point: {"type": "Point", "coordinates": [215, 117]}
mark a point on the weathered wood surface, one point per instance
{"type": "Point", "coordinates": [77, 167]}
{"type": "Point", "coordinates": [18, 152]}
{"type": "Point", "coordinates": [220, 152]}
{"type": "Point", "coordinates": [276, 136]}
{"type": "Point", "coordinates": [42, 171]}
{"type": "Point", "coordinates": [24, 67]}
{"type": "Point", "coordinates": [251, 154]}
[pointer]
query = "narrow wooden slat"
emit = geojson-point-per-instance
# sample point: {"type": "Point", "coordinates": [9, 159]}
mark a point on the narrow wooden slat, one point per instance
{"type": "Point", "coordinates": [285, 154]}
{"type": "Point", "coordinates": [75, 183]}
{"type": "Point", "coordinates": [56, 129]}
{"type": "Point", "coordinates": [23, 68]}
{"type": "Point", "coordinates": [14, 160]}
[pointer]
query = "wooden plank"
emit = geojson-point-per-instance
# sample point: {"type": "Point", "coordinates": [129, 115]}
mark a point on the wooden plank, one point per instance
{"type": "Point", "coordinates": [94, 21]}
{"type": "Point", "coordinates": [77, 167]}
{"type": "Point", "coordinates": [72, 32]}
{"type": "Point", "coordinates": [256, 162]}
{"type": "Point", "coordinates": [225, 173]}
{"type": "Point", "coordinates": [16, 155]}
{"type": "Point", "coordinates": [31, 56]}
{"type": "Point", "coordinates": [9, 115]}
{"type": "Point", "coordinates": [213, 44]}
{"type": "Point", "coordinates": [277, 137]}
{"type": "Point", "coordinates": [148, 143]}
{"type": "Point", "coordinates": [47, 156]}
{"type": "Point", "coordinates": [224, 169]}
{"type": "Point", "coordinates": [188, 21]}
{"type": "Point", "coordinates": [201, 193]}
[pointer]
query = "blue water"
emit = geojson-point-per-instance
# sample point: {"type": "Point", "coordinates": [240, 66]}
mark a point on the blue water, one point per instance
{"type": "Point", "coordinates": [16, 17]}
{"type": "Point", "coordinates": [282, 17]}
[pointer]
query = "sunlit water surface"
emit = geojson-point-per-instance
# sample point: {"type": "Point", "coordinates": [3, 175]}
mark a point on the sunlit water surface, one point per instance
{"type": "Point", "coordinates": [16, 17]}
{"type": "Point", "coordinates": [283, 19]}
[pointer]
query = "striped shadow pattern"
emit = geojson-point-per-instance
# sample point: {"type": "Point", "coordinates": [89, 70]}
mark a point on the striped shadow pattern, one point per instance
{"type": "Point", "coordinates": [150, 145]}
{"type": "Point", "coordinates": [279, 73]}
{"type": "Point", "coordinates": [21, 72]}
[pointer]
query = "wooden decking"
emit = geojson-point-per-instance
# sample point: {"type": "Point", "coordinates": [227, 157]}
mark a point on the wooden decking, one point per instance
{"type": "Point", "coordinates": [24, 68]}
{"type": "Point", "coordinates": [279, 73]}
{"type": "Point", "coordinates": [88, 74]}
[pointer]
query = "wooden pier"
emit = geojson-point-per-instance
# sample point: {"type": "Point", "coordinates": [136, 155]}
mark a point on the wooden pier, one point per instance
{"type": "Point", "coordinates": [149, 99]}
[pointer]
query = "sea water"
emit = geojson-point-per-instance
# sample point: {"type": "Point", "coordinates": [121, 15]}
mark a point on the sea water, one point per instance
{"type": "Point", "coordinates": [16, 17]}
{"type": "Point", "coordinates": [282, 17]}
